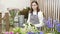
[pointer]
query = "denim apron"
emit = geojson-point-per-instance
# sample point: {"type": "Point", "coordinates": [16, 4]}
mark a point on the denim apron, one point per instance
{"type": "Point", "coordinates": [34, 20]}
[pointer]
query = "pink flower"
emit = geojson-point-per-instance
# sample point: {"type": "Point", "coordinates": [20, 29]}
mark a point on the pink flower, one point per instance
{"type": "Point", "coordinates": [17, 33]}
{"type": "Point", "coordinates": [11, 32]}
{"type": "Point", "coordinates": [6, 32]}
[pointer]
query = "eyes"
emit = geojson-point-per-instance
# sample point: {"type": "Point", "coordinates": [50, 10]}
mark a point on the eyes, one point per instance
{"type": "Point", "coordinates": [34, 4]}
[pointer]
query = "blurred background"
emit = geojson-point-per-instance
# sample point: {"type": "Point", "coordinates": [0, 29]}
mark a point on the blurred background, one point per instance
{"type": "Point", "coordinates": [14, 13]}
{"type": "Point", "coordinates": [49, 7]}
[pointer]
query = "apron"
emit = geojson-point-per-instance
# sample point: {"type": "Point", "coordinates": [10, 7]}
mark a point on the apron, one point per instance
{"type": "Point", "coordinates": [34, 19]}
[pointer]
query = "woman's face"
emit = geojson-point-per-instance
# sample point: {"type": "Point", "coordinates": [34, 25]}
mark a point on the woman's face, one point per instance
{"type": "Point", "coordinates": [34, 6]}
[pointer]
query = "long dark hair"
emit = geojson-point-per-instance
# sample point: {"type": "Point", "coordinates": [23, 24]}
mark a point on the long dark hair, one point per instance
{"type": "Point", "coordinates": [31, 10]}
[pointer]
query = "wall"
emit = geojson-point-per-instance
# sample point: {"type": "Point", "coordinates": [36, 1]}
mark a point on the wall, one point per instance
{"type": "Point", "coordinates": [14, 4]}
{"type": "Point", "coordinates": [20, 4]}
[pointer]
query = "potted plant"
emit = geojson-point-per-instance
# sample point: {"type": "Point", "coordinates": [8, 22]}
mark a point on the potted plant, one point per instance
{"type": "Point", "coordinates": [24, 12]}
{"type": "Point", "coordinates": [12, 13]}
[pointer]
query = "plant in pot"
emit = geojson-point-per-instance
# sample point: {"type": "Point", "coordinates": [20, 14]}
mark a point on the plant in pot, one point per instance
{"type": "Point", "coordinates": [24, 12]}
{"type": "Point", "coordinates": [12, 13]}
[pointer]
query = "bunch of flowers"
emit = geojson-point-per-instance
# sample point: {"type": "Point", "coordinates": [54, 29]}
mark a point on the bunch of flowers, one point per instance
{"type": "Point", "coordinates": [52, 24]}
{"type": "Point", "coordinates": [32, 29]}
{"type": "Point", "coordinates": [28, 29]}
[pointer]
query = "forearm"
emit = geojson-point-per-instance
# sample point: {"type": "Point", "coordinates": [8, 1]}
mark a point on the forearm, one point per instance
{"type": "Point", "coordinates": [40, 16]}
{"type": "Point", "coordinates": [28, 18]}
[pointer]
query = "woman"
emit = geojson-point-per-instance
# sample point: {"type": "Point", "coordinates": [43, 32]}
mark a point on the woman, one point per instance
{"type": "Point", "coordinates": [35, 16]}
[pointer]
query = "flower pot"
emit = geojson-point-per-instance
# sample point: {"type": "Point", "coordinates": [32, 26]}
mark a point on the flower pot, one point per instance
{"type": "Point", "coordinates": [21, 20]}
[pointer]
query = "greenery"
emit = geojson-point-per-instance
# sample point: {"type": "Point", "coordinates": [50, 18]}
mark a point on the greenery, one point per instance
{"type": "Point", "coordinates": [24, 12]}
{"type": "Point", "coordinates": [18, 30]}
{"type": "Point", "coordinates": [12, 13]}
{"type": "Point", "coordinates": [30, 27]}
{"type": "Point", "coordinates": [21, 12]}
{"type": "Point", "coordinates": [27, 28]}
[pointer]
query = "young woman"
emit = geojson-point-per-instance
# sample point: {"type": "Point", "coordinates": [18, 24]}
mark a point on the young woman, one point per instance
{"type": "Point", "coordinates": [35, 16]}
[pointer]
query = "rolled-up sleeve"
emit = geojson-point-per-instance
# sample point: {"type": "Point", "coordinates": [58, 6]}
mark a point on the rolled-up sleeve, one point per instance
{"type": "Point", "coordinates": [40, 16]}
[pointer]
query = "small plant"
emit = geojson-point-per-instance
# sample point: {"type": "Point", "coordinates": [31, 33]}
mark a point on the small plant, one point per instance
{"type": "Point", "coordinates": [19, 30]}
{"type": "Point", "coordinates": [31, 28]}
{"type": "Point", "coordinates": [12, 13]}
{"type": "Point", "coordinates": [15, 30]}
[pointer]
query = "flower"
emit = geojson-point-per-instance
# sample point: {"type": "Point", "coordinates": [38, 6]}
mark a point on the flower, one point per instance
{"type": "Point", "coordinates": [6, 32]}
{"type": "Point", "coordinates": [11, 32]}
{"type": "Point", "coordinates": [49, 23]}
{"type": "Point", "coordinates": [55, 22]}
{"type": "Point", "coordinates": [58, 27]}
{"type": "Point", "coordinates": [44, 20]}
{"type": "Point", "coordinates": [17, 33]}
{"type": "Point", "coordinates": [41, 32]}
{"type": "Point", "coordinates": [30, 33]}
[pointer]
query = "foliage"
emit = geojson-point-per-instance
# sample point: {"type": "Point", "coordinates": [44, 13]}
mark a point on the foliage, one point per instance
{"type": "Point", "coordinates": [32, 28]}
{"type": "Point", "coordinates": [24, 12]}
{"type": "Point", "coordinates": [19, 30]}
{"type": "Point", "coordinates": [12, 15]}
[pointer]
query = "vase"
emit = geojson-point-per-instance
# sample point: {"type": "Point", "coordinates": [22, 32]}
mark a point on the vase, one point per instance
{"type": "Point", "coordinates": [21, 20]}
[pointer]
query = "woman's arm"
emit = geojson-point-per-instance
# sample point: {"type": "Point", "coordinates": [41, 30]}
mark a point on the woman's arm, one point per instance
{"type": "Point", "coordinates": [28, 17]}
{"type": "Point", "coordinates": [40, 16]}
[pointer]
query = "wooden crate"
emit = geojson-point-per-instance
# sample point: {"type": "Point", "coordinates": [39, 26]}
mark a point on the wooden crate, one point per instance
{"type": "Point", "coordinates": [6, 19]}
{"type": "Point", "coordinates": [0, 23]}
